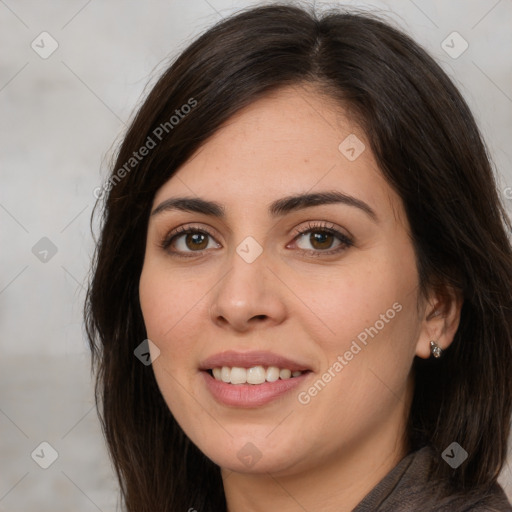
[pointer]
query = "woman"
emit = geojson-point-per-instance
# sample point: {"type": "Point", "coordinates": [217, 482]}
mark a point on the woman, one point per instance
{"type": "Point", "coordinates": [301, 295]}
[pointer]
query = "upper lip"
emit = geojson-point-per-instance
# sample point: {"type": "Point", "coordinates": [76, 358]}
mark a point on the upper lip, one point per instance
{"type": "Point", "coordinates": [249, 359]}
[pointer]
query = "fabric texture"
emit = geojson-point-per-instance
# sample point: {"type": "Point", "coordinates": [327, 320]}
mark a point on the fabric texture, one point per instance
{"type": "Point", "coordinates": [406, 488]}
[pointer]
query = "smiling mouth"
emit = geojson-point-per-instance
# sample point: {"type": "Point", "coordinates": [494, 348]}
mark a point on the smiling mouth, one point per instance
{"type": "Point", "coordinates": [255, 375]}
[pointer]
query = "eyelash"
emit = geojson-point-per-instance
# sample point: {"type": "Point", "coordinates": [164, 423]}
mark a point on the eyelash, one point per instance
{"type": "Point", "coordinates": [312, 227]}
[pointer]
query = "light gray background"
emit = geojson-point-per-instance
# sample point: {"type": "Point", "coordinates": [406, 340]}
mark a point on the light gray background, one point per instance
{"type": "Point", "coordinates": [59, 119]}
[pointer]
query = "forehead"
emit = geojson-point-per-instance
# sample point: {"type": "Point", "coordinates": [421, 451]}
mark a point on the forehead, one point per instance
{"type": "Point", "coordinates": [290, 142]}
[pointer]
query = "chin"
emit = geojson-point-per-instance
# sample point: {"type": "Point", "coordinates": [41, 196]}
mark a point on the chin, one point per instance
{"type": "Point", "coordinates": [253, 455]}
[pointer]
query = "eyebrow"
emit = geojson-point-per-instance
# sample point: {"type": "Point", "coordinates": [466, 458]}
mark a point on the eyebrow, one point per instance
{"type": "Point", "coordinates": [276, 209]}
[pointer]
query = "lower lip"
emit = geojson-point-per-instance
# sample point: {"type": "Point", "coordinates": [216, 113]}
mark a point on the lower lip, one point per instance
{"type": "Point", "coordinates": [250, 395]}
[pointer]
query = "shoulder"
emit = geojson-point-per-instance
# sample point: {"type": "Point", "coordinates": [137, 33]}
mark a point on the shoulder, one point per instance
{"type": "Point", "coordinates": [440, 498]}
{"type": "Point", "coordinates": [408, 488]}
{"type": "Point", "coordinates": [493, 500]}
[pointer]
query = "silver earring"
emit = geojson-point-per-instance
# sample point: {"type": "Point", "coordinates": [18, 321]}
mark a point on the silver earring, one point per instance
{"type": "Point", "coordinates": [435, 350]}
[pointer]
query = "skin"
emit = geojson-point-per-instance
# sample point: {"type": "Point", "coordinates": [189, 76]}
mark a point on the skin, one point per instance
{"type": "Point", "coordinates": [328, 454]}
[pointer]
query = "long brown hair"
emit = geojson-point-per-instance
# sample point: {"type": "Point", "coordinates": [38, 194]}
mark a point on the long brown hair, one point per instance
{"type": "Point", "coordinates": [428, 147]}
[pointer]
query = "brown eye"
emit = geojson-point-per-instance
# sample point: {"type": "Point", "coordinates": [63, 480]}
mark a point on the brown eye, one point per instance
{"type": "Point", "coordinates": [187, 241]}
{"type": "Point", "coordinates": [321, 239]}
{"type": "Point", "coordinates": [196, 241]}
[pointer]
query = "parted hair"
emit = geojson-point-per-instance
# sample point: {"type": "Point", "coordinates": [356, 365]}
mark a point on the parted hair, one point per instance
{"type": "Point", "coordinates": [428, 148]}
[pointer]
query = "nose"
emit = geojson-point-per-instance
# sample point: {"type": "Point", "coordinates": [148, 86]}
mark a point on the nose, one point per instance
{"type": "Point", "coordinates": [248, 296]}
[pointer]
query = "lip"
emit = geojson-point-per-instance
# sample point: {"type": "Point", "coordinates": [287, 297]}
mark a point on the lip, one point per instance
{"type": "Point", "coordinates": [250, 395]}
{"type": "Point", "coordinates": [249, 359]}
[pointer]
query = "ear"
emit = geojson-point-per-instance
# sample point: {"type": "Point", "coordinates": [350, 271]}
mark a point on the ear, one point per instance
{"type": "Point", "coordinates": [441, 318]}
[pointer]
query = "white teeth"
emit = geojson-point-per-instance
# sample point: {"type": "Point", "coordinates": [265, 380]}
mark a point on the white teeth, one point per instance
{"type": "Point", "coordinates": [285, 374]}
{"type": "Point", "coordinates": [225, 374]}
{"type": "Point", "coordinates": [254, 375]}
{"type": "Point", "coordinates": [272, 373]}
{"type": "Point", "coordinates": [238, 375]}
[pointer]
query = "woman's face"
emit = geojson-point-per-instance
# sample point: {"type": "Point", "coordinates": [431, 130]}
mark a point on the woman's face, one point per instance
{"type": "Point", "coordinates": [245, 290]}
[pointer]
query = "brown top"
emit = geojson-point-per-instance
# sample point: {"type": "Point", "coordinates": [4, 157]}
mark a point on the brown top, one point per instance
{"type": "Point", "coordinates": [406, 489]}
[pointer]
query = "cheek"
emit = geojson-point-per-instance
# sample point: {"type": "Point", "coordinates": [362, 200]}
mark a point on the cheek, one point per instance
{"type": "Point", "coordinates": [369, 320]}
{"type": "Point", "coordinates": [165, 302]}
{"type": "Point", "coordinates": [168, 306]}
{"type": "Point", "coordinates": [343, 304]}
{"type": "Point", "coordinates": [366, 362]}
{"type": "Point", "coordinates": [374, 317]}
